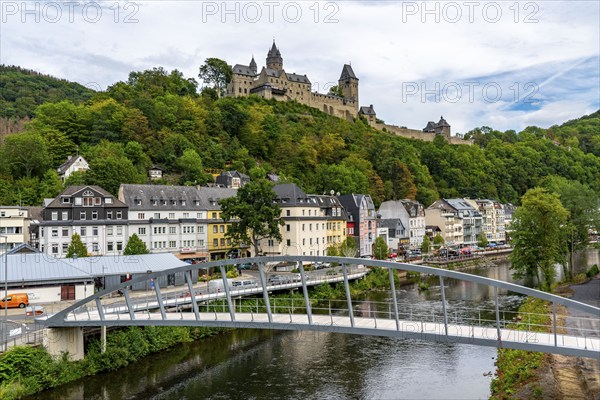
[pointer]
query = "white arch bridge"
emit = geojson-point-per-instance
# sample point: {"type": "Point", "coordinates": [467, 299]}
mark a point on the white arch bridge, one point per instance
{"type": "Point", "coordinates": [393, 318]}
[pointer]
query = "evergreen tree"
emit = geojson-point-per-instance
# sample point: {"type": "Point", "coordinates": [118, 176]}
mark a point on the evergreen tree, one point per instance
{"type": "Point", "coordinates": [135, 245]}
{"type": "Point", "coordinates": [76, 247]}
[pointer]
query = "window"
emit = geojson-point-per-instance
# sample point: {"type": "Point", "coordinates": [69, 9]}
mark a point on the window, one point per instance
{"type": "Point", "coordinates": [82, 215]}
{"type": "Point", "coordinates": [65, 247]}
{"type": "Point", "coordinates": [88, 201]}
{"type": "Point", "coordinates": [54, 215]}
{"type": "Point", "coordinates": [270, 243]}
{"type": "Point", "coordinates": [222, 242]}
{"type": "Point", "coordinates": [138, 201]}
{"type": "Point", "coordinates": [109, 215]}
{"type": "Point", "coordinates": [288, 242]}
{"type": "Point", "coordinates": [94, 214]}
{"type": "Point", "coordinates": [172, 244]}
{"type": "Point", "coordinates": [119, 246]}
{"type": "Point", "coordinates": [214, 215]}
{"type": "Point", "coordinates": [119, 230]}
{"type": "Point", "coordinates": [141, 231]}
{"type": "Point", "coordinates": [83, 231]}
{"type": "Point", "coordinates": [109, 231]}
{"type": "Point", "coordinates": [95, 247]}
{"type": "Point", "coordinates": [310, 227]}
{"type": "Point", "coordinates": [287, 228]}
{"type": "Point", "coordinates": [172, 230]}
{"type": "Point", "coordinates": [200, 228]}
{"type": "Point", "coordinates": [199, 215]}
{"type": "Point", "coordinates": [216, 242]}
{"type": "Point", "coordinates": [215, 229]}
{"type": "Point", "coordinates": [171, 215]}
{"type": "Point", "coordinates": [201, 242]}
{"type": "Point", "coordinates": [54, 248]}
{"type": "Point", "coordinates": [77, 201]}
{"type": "Point", "coordinates": [110, 246]}
{"type": "Point", "coordinates": [66, 200]}
{"type": "Point", "coordinates": [55, 232]}
{"type": "Point", "coordinates": [65, 215]}
{"type": "Point", "coordinates": [222, 228]}
{"type": "Point", "coordinates": [95, 231]}
{"type": "Point", "coordinates": [157, 215]}
{"type": "Point", "coordinates": [119, 214]}
{"type": "Point", "coordinates": [303, 227]}
{"type": "Point", "coordinates": [141, 216]}
{"type": "Point", "coordinates": [65, 232]}
{"type": "Point", "coordinates": [287, 213]}
{"type": "Point", "coordinates": [186, 215]}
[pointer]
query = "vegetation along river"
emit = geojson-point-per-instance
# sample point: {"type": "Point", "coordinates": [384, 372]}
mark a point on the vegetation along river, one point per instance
{"type": "Point", "coordinates": [254, 364]}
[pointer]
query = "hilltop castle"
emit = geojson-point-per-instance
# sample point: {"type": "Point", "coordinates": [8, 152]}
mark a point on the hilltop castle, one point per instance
{"type": "Point", "coordinates": [273, 82]}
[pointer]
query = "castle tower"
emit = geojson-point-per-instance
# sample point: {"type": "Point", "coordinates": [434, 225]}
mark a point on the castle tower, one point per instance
{"type": "Point", "coordinates": [443, 127]}
{"type": "Point", "coordinates": [348, 82]}
{"type": "Point", "coordinates": [253, 66]}
{"type": "Point", "coordinates": [274, 59]}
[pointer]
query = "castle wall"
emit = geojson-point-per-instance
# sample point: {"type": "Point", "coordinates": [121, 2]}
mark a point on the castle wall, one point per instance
{"type": "Point", "coordinates": [417, 134]}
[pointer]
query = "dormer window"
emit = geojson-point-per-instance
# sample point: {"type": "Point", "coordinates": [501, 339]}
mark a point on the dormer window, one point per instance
{"type": "Point", "coordinates": [138, 201]}
{"type": "Point", "coordinates": [108, 200]}
{"type": "Point", "coordinates": [163, 202]}
{"type": "Point", "coordinates": [182, 202]}
{"type": "Point", "coordinates": [66, 200]}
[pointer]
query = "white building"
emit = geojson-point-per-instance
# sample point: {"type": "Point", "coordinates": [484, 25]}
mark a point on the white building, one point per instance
{"type": "Point", "coordinates": [14, 227]}
{"type": "Point", "coordinates": [73, 164]}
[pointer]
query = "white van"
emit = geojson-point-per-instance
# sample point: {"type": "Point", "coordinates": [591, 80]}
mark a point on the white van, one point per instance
{"type": "Point", "coordinates": [216, 286]}
{"type": "Point", "coordinates": [243, 284]}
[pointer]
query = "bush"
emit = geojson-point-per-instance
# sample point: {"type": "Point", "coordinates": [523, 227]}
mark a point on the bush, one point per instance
{"type": "Point", "coordinates": [579, 279]}
{"type": "Point", "coordinates": [592, 272]}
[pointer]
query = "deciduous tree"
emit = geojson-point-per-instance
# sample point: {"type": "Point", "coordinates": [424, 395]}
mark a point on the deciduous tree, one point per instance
{"type": "Point", "coordinates": [380, 248]}
{"type": "Point", "coordinates": [76, 247]}
{"type": "Point", "coordinates": [135, 245]}
{"type": "Point", "coordinates": [217, 74]}
{"type": "Point", "coordinates": [253, 215]}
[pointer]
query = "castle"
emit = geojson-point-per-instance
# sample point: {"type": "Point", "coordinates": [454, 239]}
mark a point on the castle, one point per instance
{"type": "Point", "coordinates": [273, 82]}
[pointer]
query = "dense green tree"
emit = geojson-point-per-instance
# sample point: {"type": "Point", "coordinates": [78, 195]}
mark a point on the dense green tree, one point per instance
{"type": "Point", "coordinates": [216, 73]}
{"type": "Point", "coordinates": [26, 154]}
{"type": "Point", "coordinates": [253, 215]}
{"type": "Point", "coordinates": [51, 185]}
{"type": "Point", "coordinates": [482, 240]}
{"type": "Point", "coordinates": [190, 164]}
{"type": "Point", "coordinates": [135, 245]}
{"type": "Point", "coordinates": [76, 247]}
{"type": "Point", "coordinates": [349, 247]}
{"type": "Point", "coordinates": [426, 245]}
{"type": "Point", "coordinates": [336, 90]}
{"type": "Point", "coordinates": [380, 249]}
{"type": "Point", "coordinates": [438, 241]}
{"type": "Point", "coordinates": [538, 236]}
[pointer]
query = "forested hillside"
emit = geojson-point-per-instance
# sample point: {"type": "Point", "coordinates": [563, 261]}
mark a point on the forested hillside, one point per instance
{"type": "Point", "coordinates": [157, 117]}
{"type": "Point", "coordinates": [22, 90]}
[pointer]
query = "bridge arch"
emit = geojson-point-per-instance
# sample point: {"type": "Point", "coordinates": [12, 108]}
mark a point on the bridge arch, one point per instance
{"type": "Point", "coordinates": [92, 312]}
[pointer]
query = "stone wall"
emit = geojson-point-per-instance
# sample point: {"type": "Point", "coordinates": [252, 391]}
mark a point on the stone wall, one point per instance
{"type": "Point", "coordinates": [416, 134]}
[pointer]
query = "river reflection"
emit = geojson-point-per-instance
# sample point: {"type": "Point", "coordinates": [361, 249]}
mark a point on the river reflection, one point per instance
{"type": "Point", "coordinates": [253, 364]}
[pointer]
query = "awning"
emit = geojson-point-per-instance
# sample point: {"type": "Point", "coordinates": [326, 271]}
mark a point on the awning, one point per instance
{"type": "Point", "coordinates": [187, 256]}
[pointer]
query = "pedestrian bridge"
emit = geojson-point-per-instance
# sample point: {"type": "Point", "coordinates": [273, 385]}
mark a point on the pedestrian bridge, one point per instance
{"type": "Point", "coordinates": [393, 318]}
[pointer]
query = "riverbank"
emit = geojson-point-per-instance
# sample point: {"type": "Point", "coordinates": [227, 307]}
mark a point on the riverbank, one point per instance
{"type": "Point", "coordinates": [531, 375]}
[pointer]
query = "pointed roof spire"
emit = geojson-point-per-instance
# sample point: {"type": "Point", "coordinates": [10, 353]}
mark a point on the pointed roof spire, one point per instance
{"type": "Point", "coordinates": [274, 52]}
{"type": "Point", "coordinates": [347, 72]}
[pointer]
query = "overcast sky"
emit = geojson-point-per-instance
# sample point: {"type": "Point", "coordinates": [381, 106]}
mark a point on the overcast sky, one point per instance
{"type": "Point", "coordinates": [503, 64]}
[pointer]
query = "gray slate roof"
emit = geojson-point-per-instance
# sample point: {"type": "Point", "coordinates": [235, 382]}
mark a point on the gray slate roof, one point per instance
{"type": "Point", "coordinates": [44, 268]}
{"type": "Point", "coordinates": [347, 72]}
{"type": "Point", "coordinates": [75, 190]}
{"type": "Point", "coordinates": [64, 166]}
{"type": "Point", "coordinates": [367, 110]}
{"type": "Point", "coordinates": [291, 195]}
{"type": "Point", "coordinates": [243, 70]}
{"type": "Point", "coordinates": [196, 199]}
{"type": "Point", "coordinates": [297, 78]}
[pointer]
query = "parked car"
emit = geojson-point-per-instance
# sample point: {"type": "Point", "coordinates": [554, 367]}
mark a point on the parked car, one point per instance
{"type": "Point", "coordinates": [34, 311]}
{"type": "Point", "coordinates": [279, 280]}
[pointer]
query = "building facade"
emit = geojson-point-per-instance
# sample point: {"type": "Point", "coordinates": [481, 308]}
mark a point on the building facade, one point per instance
{"type": "Point", "coordinates": [14, 227]}
{"type": "Point", "coordinates": [73, 164]}
{"type": "Point", "coordinates": [90, 211]}
{"type": "Point", "coordinates": [361, 213]}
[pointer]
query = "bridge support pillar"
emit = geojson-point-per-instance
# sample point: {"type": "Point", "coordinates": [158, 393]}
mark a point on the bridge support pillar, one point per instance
{"type": "Point", "coordinates": [64, 340]}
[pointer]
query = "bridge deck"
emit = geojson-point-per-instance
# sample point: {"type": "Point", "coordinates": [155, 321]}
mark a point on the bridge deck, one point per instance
{"type": "Point", "coordinates": [480, 335]}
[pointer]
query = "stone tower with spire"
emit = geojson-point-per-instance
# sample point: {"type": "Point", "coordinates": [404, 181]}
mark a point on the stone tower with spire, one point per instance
{"type": "Point", "coordinates": [348, 83]}
{"type": "Point", "coordinates": [274, 59]}
{"type": "Point", "coordinates": [253, 66]}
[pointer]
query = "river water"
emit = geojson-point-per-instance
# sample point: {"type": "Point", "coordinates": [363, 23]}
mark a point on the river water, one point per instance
{"type": "Point", "coordinates": [255, 364]}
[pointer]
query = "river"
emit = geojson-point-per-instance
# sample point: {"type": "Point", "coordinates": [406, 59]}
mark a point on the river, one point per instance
{"type": "Point", "coordinates": [255, 364]}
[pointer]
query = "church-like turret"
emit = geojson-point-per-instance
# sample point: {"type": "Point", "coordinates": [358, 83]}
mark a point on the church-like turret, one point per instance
{"type": "Point", "coordinates": [348, 82]}
{"type": "Point", "coordinates": [274, 59]}
{"type": "Point", "coordinates": [253, 66]}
